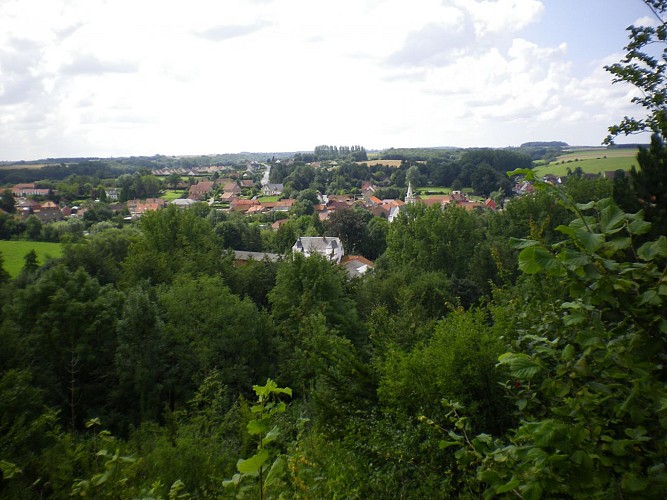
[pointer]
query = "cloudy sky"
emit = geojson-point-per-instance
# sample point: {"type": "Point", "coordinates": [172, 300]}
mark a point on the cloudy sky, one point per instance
{"type": "Point", "coordinates": [140, 77]}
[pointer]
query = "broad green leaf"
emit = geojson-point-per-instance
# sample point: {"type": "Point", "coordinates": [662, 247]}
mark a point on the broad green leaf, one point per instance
{"type": "Point", "coordinates": [521, 365]}
{"type": "Point", "coordinates": [509, 486]}
{"type": "Point", "coordinates": [619, 243]}
{"type": "Point", "coordinates": [591, 242]}
{"type": "Point", "coordinates": [575, 318]}
{"type": "Point", "coordinates": [650, 297]}
{"type": "Point", "coordinates": [446, 444]}
{"type": "Point", "coordinates": [258, 426]}
{"type": "Point", "coordinates": [489, 476]}
{"type": "Point", "coordinates": [573, 259]}
{"type": "Point", "coordinates": [533, 259]}
{"type": "Point", "coordinates": [275, 474]}
{"type": "Point", "coordinates": [611, 219]}
{"type": "Point", "coordinates": [9, 470]}
{"type": "Point", "coordinates": [271, 436]}
{"type": "Point", "coordinates": [520, 243]}
{"type": "Point", "coordinates": [586, 206]}
{"type": "Point", "coordinates": [649, 251]}
{"type": "Point", "coordinates": [234, 481]}
{"type": "Point", "coordinates": [633, 483]}
{"type": "Point", "coordinates": [567, 230]}
{"type": "Point", "coordinates": [639, 226]}
{"type": "Point", "coordinates": [252, 465]}
{"type": "Point", "coordinates": [568, 352]}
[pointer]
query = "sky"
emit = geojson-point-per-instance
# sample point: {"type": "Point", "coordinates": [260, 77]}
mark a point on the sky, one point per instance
{"type": "Point", "coordinates": [109, 78]}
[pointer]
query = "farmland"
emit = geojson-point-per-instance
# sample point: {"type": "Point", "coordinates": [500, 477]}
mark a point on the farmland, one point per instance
{"type": "Point", "coordinates": [591, 161]}
{"type": "Point", "coordinates": [14, 251]}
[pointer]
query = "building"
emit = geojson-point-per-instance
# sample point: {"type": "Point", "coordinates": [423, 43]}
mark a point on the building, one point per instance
{"type": "Point", "coordinates": [200, 190]}
{"type": "Point", "coordinates": [329, 247]}
{"type": "Point", "coordinates": [29, 189]}
{"type": "Point", "coordinates": [272, 190]}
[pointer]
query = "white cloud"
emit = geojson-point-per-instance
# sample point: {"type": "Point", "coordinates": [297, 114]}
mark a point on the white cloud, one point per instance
{"type": "Point", "coordinates": [118, 77]}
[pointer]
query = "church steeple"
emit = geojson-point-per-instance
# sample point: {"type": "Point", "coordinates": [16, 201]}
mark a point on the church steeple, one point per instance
{"type": "Point", "coordinates": [409, 197]}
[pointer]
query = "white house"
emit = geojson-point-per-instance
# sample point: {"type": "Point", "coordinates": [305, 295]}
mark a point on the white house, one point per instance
{"type": "Point", "coordinates": [329, 247]}
{"type": "Point", "coordinates": [273, 189]}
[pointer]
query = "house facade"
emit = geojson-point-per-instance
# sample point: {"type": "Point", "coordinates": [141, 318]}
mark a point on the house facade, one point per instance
{"type": "Point", "coordinates": [329, 247]}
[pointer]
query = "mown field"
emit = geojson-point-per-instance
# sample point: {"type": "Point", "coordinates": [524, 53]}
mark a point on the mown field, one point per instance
{"type": "Point", "coordinates": [14, 251]}
{"type": "Point", "coordinates": [591, 161]}
{"type": "Point", "coordinates": [30, 166]}
{"type": "Point", "coordinates": [173, 194]}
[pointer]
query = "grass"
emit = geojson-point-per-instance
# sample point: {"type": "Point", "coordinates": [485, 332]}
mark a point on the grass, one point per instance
{"type": "Point", "coordinates": [267, 199]}
{"type": "Point", "coordinates": [589, 166]}
{"type": "Point", "coordinates": [436, 190]}
{"type": "Point", "coordinates": [173, 194]}
{"type": "Point", "coordinates": [20, 166]}
{"type": "Point", "coordinates": [14, 251]}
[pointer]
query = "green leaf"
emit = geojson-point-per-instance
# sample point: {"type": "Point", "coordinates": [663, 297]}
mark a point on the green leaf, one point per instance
{"type": "Point", "coordinates": [567, 230]}
{"type": "Point", "coordinates": [619, 243]}
{"type": "Point", "coordinates": [520, 243]}
{"type": "Point", "coordinates": [521, 365]}
{"type": "Point", "coordinates": [234, 481]}
{"type": "Point", "coordinates": [649, 251]}
{"type": "Point", "coordinates": [573, 259]}
{"type": "Point", "coordinates": [568, 352]}
{"type": "Point", "coordinates": [591, 242]}
{"type": "Point", "coordinates": [535, 258]}
{"type": "Point", "coordinates": [509, 486]}
{"type": "Point", "coordinates": [575, 318]}
{"type": "Point", "coordinates": [585, 206]}
{"type": "Point", "coordinates": [271, 436]}
{"type": "Point", "coordinates": [650, 297]}
{"type": "Point", "coordinates": [252, 465]}
{"type": "Point", "coordinates": [9, 470]}
{"type": "Point", "coordinates": [446, 444]}
{"type": "Point", "coordinates": [258, 426]}
{"type": "Point", "coordinates": [639, 226]}
{"type": "Point", "coordinates": [633, 483]}
{"type": "Point", "coordinates": [611, 219]}
{"type": "Point", "coordinates": [276, 472]}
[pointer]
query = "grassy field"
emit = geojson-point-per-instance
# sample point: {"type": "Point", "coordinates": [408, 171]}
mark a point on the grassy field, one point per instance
{"type": "Point", "coordinates": [14, 251]}
{"type": "Point", "coordinates": [268, 199]}
{"type": "Point", "coordinates": [30, 166]}
{"type": "Point", "coordinates": [433, 190]}
{"type": "Point", "coordinates": [173, 194]}
{"type": "Point", "coordinates": [591, 161]}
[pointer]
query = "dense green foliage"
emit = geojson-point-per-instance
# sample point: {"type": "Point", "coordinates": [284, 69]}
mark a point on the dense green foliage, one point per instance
{"type": "Point", "coordinates": [153, 332]}
{"type": "Point", "coordinates": [510, 354]}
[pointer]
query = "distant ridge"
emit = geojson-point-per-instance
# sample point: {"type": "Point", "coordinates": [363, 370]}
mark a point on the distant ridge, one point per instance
{"type": "Point", "coordinates": [545, 144]}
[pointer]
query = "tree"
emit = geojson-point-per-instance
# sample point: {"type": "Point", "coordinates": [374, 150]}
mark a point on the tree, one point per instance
{"type": "Point", "coordinates": [350, 226]}
{"type": "Point", "coordinates": [209, 328]}
{"type": "Point", "coordinates": [4, 275]}
{"type": "Point", "coordinates": [647, 71]}
{"type": "Point", "coordinates": [140, 358]}
{"type": "Point", "coordinates": [7, 201]}
{"type": "Point", "coordinates": [33, 228]}
{"type": "Point", "coordinates": [30, 262]}
{"type": "Point", "coordinates": [173, 241]}
{"type": "Point", "coordinates": [649, 183]}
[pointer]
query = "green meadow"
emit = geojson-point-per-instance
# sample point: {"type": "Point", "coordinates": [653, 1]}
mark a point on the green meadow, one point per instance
{"type": "Point", "coordinates": [173, 194]}
{"type": "Point", "coordinates": [14, 251]}
{"type": "Point", "coordinates": [591, 161]}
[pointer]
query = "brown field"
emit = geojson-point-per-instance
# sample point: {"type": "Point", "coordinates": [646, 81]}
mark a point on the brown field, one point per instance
{"type": "Point", "coordinates": [17, 166]}
{"type": "Point", "coordinates": [388, 163]}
